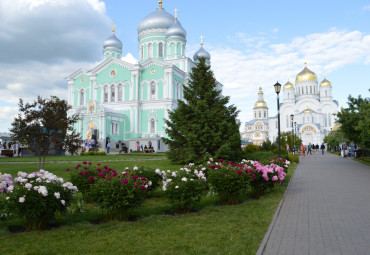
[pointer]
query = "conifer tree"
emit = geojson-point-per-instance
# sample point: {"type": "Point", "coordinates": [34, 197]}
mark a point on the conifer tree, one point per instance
{"type": "Point", "coordinates": [203, 123]}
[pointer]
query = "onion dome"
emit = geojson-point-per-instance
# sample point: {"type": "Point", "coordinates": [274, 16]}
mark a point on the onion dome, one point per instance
{"type": "Point", "coordinates": [325, 82]}
{"type": "Point", "coordinates": [113, 43]}
{"type": "Point", "coordinates": [308, 110]}
{"type": "Point", "coordinates": [160, 19]}
{"type": "Point", "coordinates": [288, 85]}
{"type": "Point", "coordinates": [176, 30]}
{"type": "Point", "coordinates": [306, 75]}
{"type": "Point", "coordinates": [202, 53]}
{"type": "Point", "coordinates": [260, 103]}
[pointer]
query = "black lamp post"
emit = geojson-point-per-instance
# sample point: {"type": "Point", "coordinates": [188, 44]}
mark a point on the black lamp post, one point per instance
{"type": "Point", "coordinates": [295, 129]}
{"type": "Point", "coordinates": [292, 118]}
{"type": "Point", "coordinates": [277, 87]}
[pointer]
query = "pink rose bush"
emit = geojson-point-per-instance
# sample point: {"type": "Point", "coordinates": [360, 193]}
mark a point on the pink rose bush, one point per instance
{"type": "Point", "coordinates": [117, 193]}
{"type": "Point", "coordinates": [184, 188]}
{"type": "Point", "coordinates": [37, 196]}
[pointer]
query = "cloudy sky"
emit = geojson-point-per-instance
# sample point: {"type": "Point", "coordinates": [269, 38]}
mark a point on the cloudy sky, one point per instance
{"type": "Point", "coordinates": [251, 44]}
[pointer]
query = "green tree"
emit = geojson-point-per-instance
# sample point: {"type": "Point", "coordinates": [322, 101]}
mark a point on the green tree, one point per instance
{"type": "Point", "coordinates": [287, 138]}
{"type": "Point", "coordinates": [334, 138]}
{"type": "Point", "coordinates": [203, 124]}
{"type": "Point", "coordinates": [44, 126]}
{"type": "Point", "coordinates": [355, 121]}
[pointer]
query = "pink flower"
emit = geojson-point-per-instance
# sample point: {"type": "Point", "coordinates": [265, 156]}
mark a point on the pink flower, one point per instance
{"type": "Point", "coordinates": [124, 181]}
{"type": "Point", "coordinates": [67, 169]}
{"type": "Point", "coordinates": [239, 172]}
{"type": "Point", "coordinates": [21, 200]}
{"type": "Point", "coordinates": [89, 163]}
{"type": "Point", "coordinates": [86, 173]}
{"type": "Point", "coordinates": [143, 178]}
{"type": "Point", "coordinates": [80, 173]}
{"type": "Point", "coordinates": [101, 175]}
{"type": "Point", "coordinates": [142, 187]}
{"type": "Point", "coordinates": [275, 178]}
{"type": "Point", "coordinates": [84, 162]}
{"type": "Point", "coordinates": [98, 164]}
{"type": "Point", "coordinates": [135, 186]}
{"type": "Point", "coordinates": [212, 167]}
{"type": "Point", "coordinates": [253, 176]}
{"type": "Point", "coordinates": [99, 170]}
{"type": "Point", "coordinates": [91, 178]}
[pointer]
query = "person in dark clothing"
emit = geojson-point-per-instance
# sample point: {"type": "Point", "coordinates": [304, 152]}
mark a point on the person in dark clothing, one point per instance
{"type": "Point", "coordinates": [322, 148]}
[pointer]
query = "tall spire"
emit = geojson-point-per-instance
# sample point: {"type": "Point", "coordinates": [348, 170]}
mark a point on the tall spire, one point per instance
{"type": "Point", "coordinates": [160, 4]}
{"type": "Point", "coordinates": [113, 30]}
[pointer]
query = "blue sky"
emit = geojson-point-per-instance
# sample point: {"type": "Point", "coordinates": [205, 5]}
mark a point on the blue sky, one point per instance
{"type": "Point", "coordinates": [252, 44]}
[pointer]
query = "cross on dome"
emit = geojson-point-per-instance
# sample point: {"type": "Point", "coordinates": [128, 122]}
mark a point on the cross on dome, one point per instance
{"type": "Point", "coordinates": [201, 40]}
{"type": "Point", "coordinates": [113, 30]}
{"type": "Point", "coordinates": [160, 4]}
{"type": "Point", "coordinates": [176, 10]}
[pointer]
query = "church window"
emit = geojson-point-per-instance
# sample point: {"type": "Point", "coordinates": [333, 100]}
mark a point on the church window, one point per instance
{"type": "Point", "coordinates": [115, 128]}
{"type": "Point", "coordinates": [105, 94]}
{"type": "Point", "coordinates": [302, 91]}
{"type": "Point", "coordinates": [152, 125]}
{"type": "Point", "coordinates": [112, 94]}
{"type": "Point", "coordinates": [152, 90]}
{"type": "Point", "coordinates": [264, 114]}
{"type": "Point", "coordinates": [178, 48]}
{"type": "Point", "coordinates": [310, 89]}
{"type": "Point", "coordinates": [150, 50]}
{"type": "Point", "coordinates": [172, 48]}
{"type": "Point", "coordinates": [82, 97]}
{"type": "Point", "coordinates": [120, 93]}
{"type": "Point", "coordinates": [259, 114]}
{"type": "Point", "coordinates": [160, 50]}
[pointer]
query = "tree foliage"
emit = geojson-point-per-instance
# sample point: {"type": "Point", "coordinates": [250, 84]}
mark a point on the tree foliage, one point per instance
{"type": "Point", "coordinates": [334, 138]}
{"type": "Point", "coordinates": [355, 121]}
{"type": "Point", "coordinates": [44, 126]}
{"type": "Point", "coordinates": [203, 123]}
{"type": "Point", "coordinates": [287, 138]}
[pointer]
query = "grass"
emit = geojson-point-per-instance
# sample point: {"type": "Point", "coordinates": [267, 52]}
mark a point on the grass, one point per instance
{"type": "Point", "coordinates": [236, 229]}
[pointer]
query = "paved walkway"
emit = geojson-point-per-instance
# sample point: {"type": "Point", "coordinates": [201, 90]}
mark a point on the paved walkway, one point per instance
{"type": "Point", "coordinates": [326, 210]}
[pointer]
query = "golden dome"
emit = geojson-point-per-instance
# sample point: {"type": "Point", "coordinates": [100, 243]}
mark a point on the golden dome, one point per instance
{"type": "Point", "coordinates": [336, 127]}
{"type": "Point", "coordinates": [325, 83]}
{"type": "Point", "coordinates": [260, 104]}
{"type": "Point", "coordinates": [308, 110]}
{"type": "Point", "coordinates": [288, 85]}
{"type": "Point", "coordinates": [306, 75]}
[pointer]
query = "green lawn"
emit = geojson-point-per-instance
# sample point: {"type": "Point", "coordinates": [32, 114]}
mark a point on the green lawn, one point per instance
{"type": "Point", "coordinates": [213, 229]}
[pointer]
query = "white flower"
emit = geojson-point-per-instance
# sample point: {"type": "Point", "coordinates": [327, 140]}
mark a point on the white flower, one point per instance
{"type": "Point", "coordinates": [39, 179]}
{"type": "Point", "coordinates": [7, 198]}
{"type": "Point", "coordinates": [135, 168]}
{"type": "Point", "coordinates": [184, 179]}
{"type": "Point", "coordinates": [168, 171]}
{"type": "Point", "coordinates": [57, 195]}
{"type": "Point", "coordinates": [150, 183]}
{"type": "Point", "coordinates": [174, 174]}
{"type": "Point", "coordinates": [28, 186]}
{"type": "Point", "coordinates": [196, 171]}
{"type": "Point", "coordinates": [191, 179]}
{"type": "Point", "coordinates": [146, 186]}
{"type": "Point", "coordinates": [211, 159]}
{"type": "Point", "coordinates": [43, 191]}
{"type": "Point", "coordinates": [35, 187]}
{"type": "Point", "coordinates": [23, 180]}
{"type": "Point", "coordinates": [21, 200]}
{"type": "Point", "coordinates": [157, 171]}
{"type": "Point", "coordinates": [191, 164]}
{"type": "Point", "coordinates": [10, 188]}
{"type": "Point", "coordinates": [169, 180]}
{"type": "Point", "coordinates": [63, 202]}
{"type": "Point", "coordinates": [176, 187]}
{"type": "Point", "coordinates": [204, 178]}
{"type": "Point", "coordinates": [31, 176]}
{"type": "Point", "coordinates": [204, 168]}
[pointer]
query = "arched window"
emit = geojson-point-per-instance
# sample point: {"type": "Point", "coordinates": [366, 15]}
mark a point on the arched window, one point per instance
{"type": "Point", "coordinates": [82, 97]}
{"type": "Point", "coordinates": [141, 52]}
{"type": "Point", "coordinates": [152, 125]}
{"type": "Point", "coordinates": [160, 50]}
{"type": "Point", "coordinates": [120, 91]}
{"type": "Point", "coordinates": [112, 94]}
{"type": "Point", "coordinates": [152, 90]}
{"type": "Point", "coordinates": [115, 128]}
{"type": "Point", "coordinates": [150, 50]}
{"type": "Point", "coordinates": [105, 94]}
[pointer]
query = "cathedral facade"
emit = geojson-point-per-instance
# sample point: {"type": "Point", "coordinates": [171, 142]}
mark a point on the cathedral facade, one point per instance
{"type": "Point", "coordinates": [123, 102]}
{"type": "Point", "coordinates": [311, 105]}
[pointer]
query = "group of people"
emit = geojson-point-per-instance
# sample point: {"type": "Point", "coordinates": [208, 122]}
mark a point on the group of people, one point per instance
{"type": "Point", "coordinates": [139, 147]}
{"type": "Point", "coordinates": [312, 149]}
{"type": "Point", "coordinates": [347, 150]}
{"type": "Point", "coordinates": [89, 144]}
{"type": "Point", "coordinates": [13, 146]}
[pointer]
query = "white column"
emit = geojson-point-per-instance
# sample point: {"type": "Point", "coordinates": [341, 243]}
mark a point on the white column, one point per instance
{"type": "Point", "coordinates": [116, 93]}
{"type": "Point", "coordinates": [109, 94]}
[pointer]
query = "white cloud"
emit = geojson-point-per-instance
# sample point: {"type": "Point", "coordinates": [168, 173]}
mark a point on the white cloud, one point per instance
{"type": "Point", "coordinates": [366, 8]}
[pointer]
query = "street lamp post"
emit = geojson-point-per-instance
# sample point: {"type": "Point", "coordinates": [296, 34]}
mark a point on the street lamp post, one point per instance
{"type": "Point", "coordinates": [292, 118]}
{"type": "Point", "coordinates": [277, 87]}
{"type": "Point", "coordinates": [295, 129]}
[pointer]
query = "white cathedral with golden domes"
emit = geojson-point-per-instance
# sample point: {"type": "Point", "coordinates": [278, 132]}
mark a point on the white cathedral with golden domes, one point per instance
{"type": "Point", "coordinates": [312, 105]}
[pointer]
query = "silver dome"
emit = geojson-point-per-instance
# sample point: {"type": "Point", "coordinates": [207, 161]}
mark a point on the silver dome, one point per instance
{"type": "Point", "coordinates": [158, 19]}
{"type": "Point", "coordinates": [176, 30]}
{"type": "Point", "coordinates": [202, 53]}
{"type": "Point", "coordinates": [113, 43]}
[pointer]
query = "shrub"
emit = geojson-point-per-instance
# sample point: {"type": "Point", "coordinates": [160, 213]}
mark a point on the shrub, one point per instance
{"type": "Point", "coordinates": [284, 152]}
{"type": "Point", "coordinates": [229, 180]}
{"type": "Point", "coordinates": [93, 153]}
{"type": "Point", "coordinates": [293, 158]}
{"type": "Point", "coordinates": [117, 194]}
{"type": "Point", "coordinates": [264, 157]}
{"type": "Point", "coordinates": [36, 197]}
{"type": "Point", "coordinates": [251, 148]}
{"type": "Point", "coordinates": [149, 173]}
{"type": "Point", "coordinates": [184, 188]}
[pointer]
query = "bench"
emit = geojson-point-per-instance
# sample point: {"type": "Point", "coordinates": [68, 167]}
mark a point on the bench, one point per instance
{"type": "Point", "coordinates": [149, 150]}
{"type": "Point", "coordinates": [7, 153]}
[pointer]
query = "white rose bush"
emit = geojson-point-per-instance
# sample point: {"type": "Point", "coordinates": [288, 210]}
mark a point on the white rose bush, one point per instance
{"type": "Point", "coordinates": [184, 188]}
{"type": "Point", "coordinates": [36, 197]}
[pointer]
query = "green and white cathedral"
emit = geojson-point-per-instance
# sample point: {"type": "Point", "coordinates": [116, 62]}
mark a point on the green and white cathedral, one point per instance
{"type": "Point", "coordinates": [124, 102]}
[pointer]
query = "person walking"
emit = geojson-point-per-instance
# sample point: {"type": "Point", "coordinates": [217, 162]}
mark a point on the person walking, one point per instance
{"type": "Point", "coordinates": [303, 150]}
{"type": "Point", "coordinates": [322, 148]}
{"type": "Point", "coordinates": [108, 147]}
{"type": "Point", "coordinates": [309, 149]}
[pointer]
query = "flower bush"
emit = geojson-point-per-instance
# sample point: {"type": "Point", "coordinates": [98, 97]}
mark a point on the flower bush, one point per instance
{"type": "Point", "coordinates": [184, 188]}
{"type": "Point", "coordinates": [6, 186]}
{"type": "Point", "coordinates": [229, 180]}
{"type": "Point", "coordinates": [36, 197]}
{"type": "Point", "coordinates": [116, 193]}
{"type": "Point", "coordinates": [149, 173]}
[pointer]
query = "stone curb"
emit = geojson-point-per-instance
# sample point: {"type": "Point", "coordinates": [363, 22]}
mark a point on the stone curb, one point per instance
{"type": "Point", "coordinates": [269, 230]}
